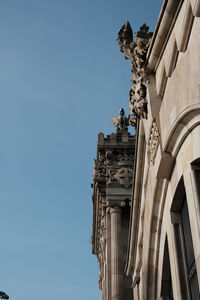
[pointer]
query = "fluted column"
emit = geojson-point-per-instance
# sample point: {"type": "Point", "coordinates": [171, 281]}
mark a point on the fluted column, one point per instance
{"type": "Point", "coordinates": [116, 254]}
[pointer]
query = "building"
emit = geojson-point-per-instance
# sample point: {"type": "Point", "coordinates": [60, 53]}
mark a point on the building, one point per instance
{"type": "Point", "coordinates": [113, 177]}
{"type": "Point", "coordinates": [163, 248]}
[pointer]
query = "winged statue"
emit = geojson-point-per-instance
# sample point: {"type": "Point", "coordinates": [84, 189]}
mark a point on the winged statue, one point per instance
{"type": "Point", "coordinates": [122, 121]}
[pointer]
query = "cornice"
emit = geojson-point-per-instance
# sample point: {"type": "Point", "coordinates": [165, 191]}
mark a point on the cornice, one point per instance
{"type": "Point", "coordinates": [164, 26]}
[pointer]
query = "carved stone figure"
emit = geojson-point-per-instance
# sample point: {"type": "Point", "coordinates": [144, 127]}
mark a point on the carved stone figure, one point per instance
{"type": "Point", "coordinates": [99, 171]}
{"type": "Point", "coordinates": [122, 121]}
{"type": "Point", "coordinates": [136, 52]}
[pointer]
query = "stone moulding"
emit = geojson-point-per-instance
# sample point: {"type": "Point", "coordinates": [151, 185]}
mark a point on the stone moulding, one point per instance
{"type": "Point", "coordinates": [136, 52]}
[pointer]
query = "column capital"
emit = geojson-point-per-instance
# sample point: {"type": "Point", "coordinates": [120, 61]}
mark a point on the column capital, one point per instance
{"type": "Point", "coordinates": [115, 209]}
{"type": "Point", "coordinates": [113, 203]}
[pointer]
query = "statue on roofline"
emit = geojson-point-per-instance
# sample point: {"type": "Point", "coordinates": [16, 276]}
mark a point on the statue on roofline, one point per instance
{"type": "Point", "coordinates": [122, 122]}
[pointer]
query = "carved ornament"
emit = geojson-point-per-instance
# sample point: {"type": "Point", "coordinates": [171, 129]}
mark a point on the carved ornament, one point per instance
{"type": "Point", "coordinates": [113, 203]}
{"type": "Point", "coordinates": [99, 171]}
{"type": "Point", "coordinates": [154, 140]}
{"type": "Point", "coordinates": [122, 122]}
{"type": "Point", "coordinates": [125, 177]}
{"type": "Point", "coordinates": [136, 52]}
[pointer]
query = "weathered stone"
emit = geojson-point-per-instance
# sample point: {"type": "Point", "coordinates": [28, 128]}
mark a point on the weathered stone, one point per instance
{"type": "Point", "coordinates": [112, 176]}
{"type": "Point", "coordinates": [136, 52]}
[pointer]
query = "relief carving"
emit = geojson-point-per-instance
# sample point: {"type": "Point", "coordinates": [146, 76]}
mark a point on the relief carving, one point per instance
{"type": "Point", "coordinates": [154, 140]}
{"type": "Point", "coordinates": [110, 176]}
{"type": "Point", "coordinates": [136, 52]}
{"type": "Point", "coordinates": [125, 159]}
{"type": "Point", "coordinates": [125, 177]}
{"type": "Point", "coordinates": [99, 171]}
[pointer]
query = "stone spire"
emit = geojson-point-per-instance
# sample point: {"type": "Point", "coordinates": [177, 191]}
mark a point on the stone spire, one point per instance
{"type": "Point", "coordinates": [112, 187]}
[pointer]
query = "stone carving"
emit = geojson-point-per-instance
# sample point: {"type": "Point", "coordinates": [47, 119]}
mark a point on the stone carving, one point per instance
{"type": "Point", "coordinates": [111, 176]}
{"type": "Point", "coordinates": [99, 171]}
{"type": "Point", "coordinates": [125, 159]}
{"type": "Point", "coordinates": [154, 140]}
{"type": "Point", "coordinates": [113, 203]}
{"type": "Point", "coordinates": [122, 121]}
{"type": "Point", "coordinates": [136, 52]}
{"type": "Point", "coordinates": [137, 98]}
{"type": "Point", "coordinates": [111, 166]}
{"type": "Point", "coordinates": [125, 177]}
{"type": "Point", "coordinates": [101, 243]}
{"type": "Point", "coordinates": [111, 159]}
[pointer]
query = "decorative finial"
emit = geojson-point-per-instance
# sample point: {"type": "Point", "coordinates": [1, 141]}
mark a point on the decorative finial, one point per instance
{"type": "Point", "coordinates": [125, 36]}
{"type": "Point", "coordinates": [136, 52]}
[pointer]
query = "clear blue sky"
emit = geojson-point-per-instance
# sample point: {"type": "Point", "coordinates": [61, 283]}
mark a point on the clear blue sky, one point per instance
{"type": "Point", "coordinates": [61, 75]}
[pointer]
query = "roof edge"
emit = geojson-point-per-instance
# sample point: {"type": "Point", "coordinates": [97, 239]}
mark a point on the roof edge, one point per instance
{"type": "Point", "coordinates": [166, 20]}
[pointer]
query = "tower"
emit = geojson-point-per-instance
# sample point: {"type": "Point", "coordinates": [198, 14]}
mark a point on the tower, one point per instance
{"type": "Point", "coordinates": [112, 189]}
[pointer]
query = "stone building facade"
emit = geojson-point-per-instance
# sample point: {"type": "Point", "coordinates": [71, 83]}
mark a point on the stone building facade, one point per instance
{"type": "Point", "coordinates": [163, 240]}
{"type": "Point", "coordinates": [113, 177]}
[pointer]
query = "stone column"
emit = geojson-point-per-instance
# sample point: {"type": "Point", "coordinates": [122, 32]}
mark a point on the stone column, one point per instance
{"type": "Point", "coordinates": [116, 254]}
{"type": "Point", "coordinates": [108, 254]}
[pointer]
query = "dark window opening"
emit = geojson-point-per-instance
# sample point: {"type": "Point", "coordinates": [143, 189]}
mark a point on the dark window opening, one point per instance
{"type": "Point", "coordinates": [166, 288]}
{"type": "Point", "coordinates": [184, 245]}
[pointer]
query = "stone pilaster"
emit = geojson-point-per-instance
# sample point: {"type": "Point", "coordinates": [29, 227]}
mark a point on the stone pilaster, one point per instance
{"type": "Point", "coordinates": [116, 258]}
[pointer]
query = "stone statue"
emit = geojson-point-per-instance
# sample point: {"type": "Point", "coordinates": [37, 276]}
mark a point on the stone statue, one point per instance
{"type": "Point", "coordinates": [122, 121]}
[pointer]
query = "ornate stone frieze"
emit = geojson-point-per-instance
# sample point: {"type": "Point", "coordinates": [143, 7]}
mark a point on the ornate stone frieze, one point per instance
{"type": "Point", "coordinates": [154, 140]}
{"type": "Point", "coordinates": [125, 159]}
{"type": "Point", "coordinates": [120, 172]}
{"type": "Point", "coordinates": [136, 52]}
{"type": "Point", "coordinates": [99, 171]}
{"type": "Point", "coordinates": [113, 166]}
